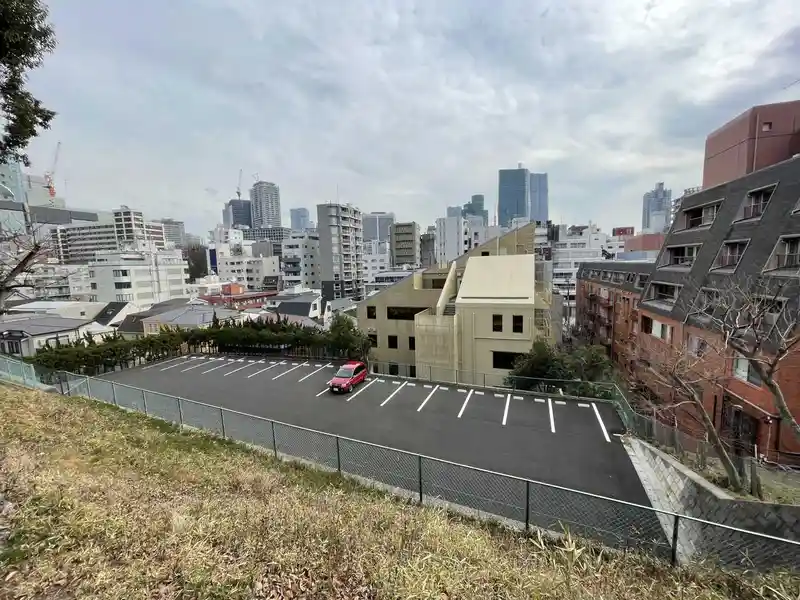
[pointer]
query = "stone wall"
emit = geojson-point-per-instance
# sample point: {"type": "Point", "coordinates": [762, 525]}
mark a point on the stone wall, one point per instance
{"type": "Point", "coordinates": [675, 488]}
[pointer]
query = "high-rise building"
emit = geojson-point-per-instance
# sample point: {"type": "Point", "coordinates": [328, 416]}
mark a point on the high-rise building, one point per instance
{"type": "Point", "coordinates": [427, 247]}
{"type": "Point", "coordinates": [174, 232]}
{"type": "Point", "coordinates": [377, 260]}
{"type": "Point", "coordinates": [299, 219]}
{"type": "Point", "coordinates": [237, 213]}
{"type": "Point", "coordinates": [474, 208]}
{"type": "Point", "coordinates": [657, 209]}
{"type": "Point", "coordinates": [538, 207]}
{"type": "Point", "coordinates": [341, 240]}
{"type": "Point", "coordinates": [377, 225]}
{"type": "Point", "coordinates": [300, 264]}
{"type": "Point", "coordinates": [265, 199]}
{"type": "Point", "coordinates": [455, 211]}
{"type": "Point", "coordinates": [404, 244]}
{"type": "Point", "coordinates": [513, 194]}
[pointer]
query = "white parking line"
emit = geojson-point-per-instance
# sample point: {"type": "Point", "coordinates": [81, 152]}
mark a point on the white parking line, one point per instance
{"type": "Point", "coordinates": [312, 372]}
{"type": "Point", "coordinates": [161, 364]}
{"type": "Point", "coordinates": [234, 371]}
{"type": "Point", "coordinates": [600, 420]}
{"type": "Point", "coordinates": [200, 364]}
{"type": "Point", "coordinates": [517, 397]}
{"type": "Point", "coordinates": [395, 383]}
{"type": "Point", "coordinates": [219, 366]}
{"type": "Point", "coordinates": [351, 396]}
{"type": "Point", "coordinates": [552, 421]}
{"type": "Point", "coordinates": [427, 386]}
{"type": "Point", "coordinates": [176, 365]}
{"type": "Point", "coordinates": [289, 370]}
{"type": "Point", "coordinates": [382, 380]}
{"type": "Point", "coordinates": [561, 402]}
{"type": "Point", "coordinates": [322, 392]}
{"type": "Point", "coordinates": [462, 391]}
{"type": "Point", "coordinates": [539, 400]}
{"type": "Point", "coordinates": [424, 402]}
{"type": "Point", "coordinates": [498, 395]}
{"type": "Point", "coordinates": [505, 412]}
{"type": "Point", "coordinates": [477, 393]}
{"type": "Point", "coordinates": [271, 366]}
{"type": "Point", "coordinates": [444, 389]}
{"type": "Point", "coordinates": [583, 405]}
{"type": "Point", "coordinates": [394, 392]}
{"type": "Point", "coordinates": [411, 384]}
{"type": "Point", "coordinates": [464, 406]}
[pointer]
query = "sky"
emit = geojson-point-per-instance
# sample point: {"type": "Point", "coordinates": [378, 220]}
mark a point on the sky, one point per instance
{"type": "Point", "coordinates": [407, 106]}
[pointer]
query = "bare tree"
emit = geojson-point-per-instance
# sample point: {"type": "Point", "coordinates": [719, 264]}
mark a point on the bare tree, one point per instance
{"type": "Point", "coordinates": [757, 319]}
{"type": "Point", "coordinates": [20, 249]}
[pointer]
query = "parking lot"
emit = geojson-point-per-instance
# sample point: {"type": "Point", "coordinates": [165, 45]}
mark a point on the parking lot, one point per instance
{"type": "Point", "coordinates": [558, 441]}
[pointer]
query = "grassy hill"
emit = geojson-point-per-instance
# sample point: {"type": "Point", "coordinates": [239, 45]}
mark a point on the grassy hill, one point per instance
{"type": "Point", "coordinates": [96, 502]}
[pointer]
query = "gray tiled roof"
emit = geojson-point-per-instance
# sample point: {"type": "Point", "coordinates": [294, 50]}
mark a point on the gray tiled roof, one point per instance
{"type": "Point", "coordinates": [40, 324]}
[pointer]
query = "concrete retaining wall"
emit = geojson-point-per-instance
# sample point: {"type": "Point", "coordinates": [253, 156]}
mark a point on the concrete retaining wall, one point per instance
{"type": "Point", "coordinates": [676, 488]}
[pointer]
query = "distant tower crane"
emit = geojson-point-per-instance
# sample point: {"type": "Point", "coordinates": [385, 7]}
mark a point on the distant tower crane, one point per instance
{"type": "Point", "coordinates": [49, 176]}
{"type": "Point", "coordinates": [239, 186]}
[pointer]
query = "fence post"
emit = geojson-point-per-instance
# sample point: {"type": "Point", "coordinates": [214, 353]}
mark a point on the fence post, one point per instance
{"type": "Point", "coordinates": [180, 414]}
{"type": "Point", "coordinates": [114, 394]}
{"type": "Point", "coordinates": [338, 457]}
{"type": "Point", "coordinates": [274, 441]}
{"type": "Point", "coordinates": [527, 505]}
{"type": "Point", "coordinates": [675, 527]}
{"type": "Point", "coordinates": [61, 376]}
{"type": "Point", "coordinates": [144, 402]}
{"type": "Point", "coordinates": [89, 389]}
{"type": "Point", "coordinates": [222, 421]}
{"type": "Point", "coordinates": [419, 473]}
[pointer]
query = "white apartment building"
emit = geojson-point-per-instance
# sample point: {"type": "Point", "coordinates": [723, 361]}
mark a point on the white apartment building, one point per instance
{"type": "Point", "coordinates": [256, 273]}
{"type": "Point", "coordinates": [174, 232]}
{"type": "Point", "coordinates": [301, 261]}
{"type": "Point", "coordinates": [142, 277]}
{"type": "Point", "coordinates": [377, 259]}
{"type": "Point", "coordinates": [377, 225]}
{"type": "Point", "coordinates": [385, 279]}
{"type": "Point", "coordinates": [574, 245]}
{"type": "Point", "coordinates": [341, 251]}
{"type": "Point", "coordinates": [122, 229]}
{"type": "Point", "coordinates": [265, 198]}
{"type": "Point", "coordinates": [456, 235]}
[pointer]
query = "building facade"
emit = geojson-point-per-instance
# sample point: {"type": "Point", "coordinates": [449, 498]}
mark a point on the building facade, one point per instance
{"type": "Point", "coordinates": [759, 137]}
{"type": "Point", "coordinates": [377, 259]}
{"type": "Point", "coordinates": [255, 273]}
{"type": "Point", "coordinates": [265, 205]}
{"type": "Point", "coordinates": [237, 213]}
{"type": "Point", "coordinates": [452, 238]}
{"type": "Point", "coordinates": [270, 234]}
{"type": "Point", "coordinates": [657, 209]}
{"type": "Point", "coordinates": [742, 235]}
{"type": "Point", "coordinates": [301, 261]}
{"type": "Point", "coordinates": [404, 243]}
{"type": "Point", "coordinates": [341, 249]}
{"type": "Point", "coordinates": [475, 208]}
{"type": "Point", "coordinates": [427, 247]}
{"type": "Point", "coordinates": [300, 220]}
{"type": "Point", "coordinates": [539, 203]}
{"type": "Point", "coordinates": [141, 277]}
{"type": "Point", "coordinates": [377, 226]}
{"type": "Point", "coordinates": [513, 195]}
{"type": "Point", "coordinates": [174, 232]}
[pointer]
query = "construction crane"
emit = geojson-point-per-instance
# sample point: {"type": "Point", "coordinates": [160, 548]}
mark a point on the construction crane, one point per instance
{"type": "Point", "coordinates": [49, 176]}
{"type": "Point", "coordinates": [239, 186]}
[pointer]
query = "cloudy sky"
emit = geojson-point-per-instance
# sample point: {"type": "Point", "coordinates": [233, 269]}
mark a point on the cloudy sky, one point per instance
{"type": "Point", "coordinates": [403, 105]}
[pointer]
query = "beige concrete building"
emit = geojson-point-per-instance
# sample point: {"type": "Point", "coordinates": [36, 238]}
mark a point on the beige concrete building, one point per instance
{"type": "Point", "coordinates": [466, 321]}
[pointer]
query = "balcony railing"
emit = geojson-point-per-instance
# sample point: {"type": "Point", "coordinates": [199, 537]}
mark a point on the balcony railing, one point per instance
{"type": "Point", "coordinates": [754, 210]}
{"type": "Point", "coordinates": [699, 221]}
{"type": "Point", "coordinates": [787, 260]}
{"type": "Point", "coordinates": [681, 261]}
{"type": "Point", "coordinates": [664, 297]}
{"type": "Point", "coordinates": [728, 260]}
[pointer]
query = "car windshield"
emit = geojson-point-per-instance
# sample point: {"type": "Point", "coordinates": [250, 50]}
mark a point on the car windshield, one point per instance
{"type": "Point", "coordinates": [345, 372]}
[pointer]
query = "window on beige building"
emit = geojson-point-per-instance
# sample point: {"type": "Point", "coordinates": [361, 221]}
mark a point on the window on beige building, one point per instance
{"type": "Point", "coordinates": [497, 323]}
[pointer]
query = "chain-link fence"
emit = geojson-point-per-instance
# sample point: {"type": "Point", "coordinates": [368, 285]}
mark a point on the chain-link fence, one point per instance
{"type": "Point", "coordinates": [515, 501]}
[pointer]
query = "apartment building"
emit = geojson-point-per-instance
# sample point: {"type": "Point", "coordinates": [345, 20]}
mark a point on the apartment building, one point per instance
{"type": "Point", "coordinates": [377, 259]}
{"type": "Point", "coordinates": [256, 273]}
{"type": "Point", "coordinates": [174, 232]}
{"type": "Point", "coordinates": [404, 242]}
{"type": "Point", "coordinates": [427, 247]}
{"type": "Point", "coordinates": [743, 232]}
{"type": "Point", "coordinates": [142, 277]}
{"type": "Point", "coordinates": [301, 261]}
{"type": "Point", "coordinates": [341, 246]}
{"type": "Point", "coordinates": [467, 320]}
{"type": "Point", "coordinates": [265, 205]}
{"type": "Point", "coordinates": [385, 279]}
{"type": "Point", "coordinates": [123, 229]}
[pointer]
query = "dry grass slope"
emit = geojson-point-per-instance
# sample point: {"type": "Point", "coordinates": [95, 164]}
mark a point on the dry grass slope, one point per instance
{"type": "Point", "coordinates": [106, 504]}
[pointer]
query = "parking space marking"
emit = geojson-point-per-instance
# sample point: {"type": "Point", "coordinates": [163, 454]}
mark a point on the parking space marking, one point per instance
{"type": "Point", "coordinates": [444, 389]}
{"type": "Point", "coordinates": [219, 366]}
{"type": "Point", "coordinates": [289, 370]}
{"type": "Point", "coordinates": [322, 392]}
{"type": "Point", "coordinates": [312, 372]}
{"type": "Point", "coordinates": [498, 395]}
{"type": "Point", "coordinates": [272, 365]}
{"type": "Point", "coordinates": [424, 402]}
{"type": "Point", "coordinates": [552, 421]}
{"type": "Point", "coordinates": [161, 364]}
{"type": "Point", "coordinates": [517, 397]}
{"type": "Point", "coordinates": [600, 420]}
{"type": "Point", "coordinates": [234, 371]}
{"type": "Point", "coordinates": [466, 400]}
{"type": "Point", "coordinates": [394, 392]}
{"type": "Point", "coordinates": [583, 405]}
{"type": "Point", "coordinates": [395, 383]}
{"type": "Point", "coordinates": [411, 384]}
{"type": "Point", "coordinates": [177, 365]}
{"type": "Point", "coordinates": [382, 380]}
{"type": "Point", "coordinates": [561, 402]}
{"type": "Point", "coordinates": [200, 364]}
{"type": "Point", "coordinates": [462, 391]}
{"type": "Point", "coordinates": [539, 400]}
{"type": "Point", "coordinates": [361, 390]}
{"type": "Point", "coordinates": [477, 392]}
{"type": "Point", "coordinates": [505, 412]}
{"type": "Point", "coordinates": [427, 386]}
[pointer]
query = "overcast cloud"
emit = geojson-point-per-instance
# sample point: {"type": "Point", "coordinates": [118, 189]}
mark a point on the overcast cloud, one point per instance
{"type": "Point", "coordinates": [405, 105]}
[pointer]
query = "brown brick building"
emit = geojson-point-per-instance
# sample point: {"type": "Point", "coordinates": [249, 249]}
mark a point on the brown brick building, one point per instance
{"type": "Point", "coordinates": [743, 231]}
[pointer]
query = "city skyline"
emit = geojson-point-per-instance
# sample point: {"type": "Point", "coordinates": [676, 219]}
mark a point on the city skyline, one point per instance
{"type": "Point", "coordinates": [638, 114]}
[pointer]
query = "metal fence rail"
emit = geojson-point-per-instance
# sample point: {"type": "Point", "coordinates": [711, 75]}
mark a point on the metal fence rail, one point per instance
{"type": "Point", "coordinates": [519, 502]}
